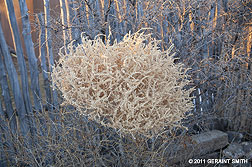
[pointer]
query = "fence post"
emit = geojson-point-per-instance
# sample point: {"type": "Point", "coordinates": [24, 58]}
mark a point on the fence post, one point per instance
{"type": "Point", "coordinates": [42, 51]}
{"type": "Point", "coordinates": [6, 97]}
{"type": "Point", "coordinates": [49, 49]}
{"type": "Point", "coordinates": [65, 25]}
{"type": "Point", "coordinates": [2, 130]}
{"type": "Point", "coordinates": [32, 60]}
{"type": "Point", "coordinates": [13, 77]}
{"type": "Point", "coordinates": [6, 144]}
{"type": "Point", "coordinates": [21, 63]}
{"type": "Point", "coordinates": [73, 20]}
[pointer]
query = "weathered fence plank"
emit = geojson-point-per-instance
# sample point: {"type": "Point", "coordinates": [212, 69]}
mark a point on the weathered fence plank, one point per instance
{"type": "Point", "coordinates": [2, 129]}
{"type": "Point", "coordinates": [42, 51]}
{"type": "Point", "coordinates": [49, 49]}
{"type": "Point", "coordinates": [21, 62]}
{"type": "Point", "coordinates": [118, 20]}
{"type": "Point", "coordinates": [6, 96]}
{"type": "Point", "coordinates": [64, 20]}
{"type": "Point", "coordinates": [76, 22]}
{"type": "Point", "coordinates": [73, 20]}
{"type": "Point", "coordinates": [13, 77]}
{"type": "Point", "coordinates": [249, 54]}
{"type": "Point", "coordinates": [69, 15]}
{"type": "Point", "coordinates": [101, 9]}
{"type": "Point", "coordinates": [6, 144]}
{"type": "Point", "coordinates": [32, 60]}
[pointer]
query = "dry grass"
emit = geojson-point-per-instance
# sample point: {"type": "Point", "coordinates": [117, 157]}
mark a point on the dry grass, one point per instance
{"type": "Point", "coordinates": [72, 140]}
{"type": "Point", "coordinates": [131, 86]}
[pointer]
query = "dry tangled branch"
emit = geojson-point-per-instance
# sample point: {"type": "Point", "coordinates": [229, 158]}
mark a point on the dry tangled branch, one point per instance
{"type": "Point", "coordinates": [131, 85]}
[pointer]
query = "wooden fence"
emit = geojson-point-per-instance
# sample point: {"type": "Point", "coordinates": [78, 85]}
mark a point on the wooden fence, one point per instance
{"type": "Point", "coordinates": [212, 37]}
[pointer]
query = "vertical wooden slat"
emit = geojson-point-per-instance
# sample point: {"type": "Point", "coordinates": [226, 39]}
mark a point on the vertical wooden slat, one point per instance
{"type": "Point", "coordinates": [249, 42]}
{"type": "Point", "coordinates": [64, 20]}
{"type": "Point", "coordinates": [136, 17]}
{"type": "Point", "coordinates": [118, 15]}
{"type": "Point", "coordinates": [249, 92]}
{"type": "Point", "coordinates": [124, 7]}
{"type": "Point", "coordinates": [69, 18]}
{"type": "Point", "coordinates": [165, 35]}
{"type": "Point", "coordinates": [222, 88]}
{"type": "Point", "coordinates": [249, 68]}
{"type": "Point", "coordinates": [92, 18]}
{"type": "Point", "coordinates": [21, 62]}
{"type": "Point", "coordinates": [76, 23]}
{"type": "Point", "coordinates": [100, 15]}
{"type": "Point", "coordinates": [87, 13]}
{"type": "Point", "coordinates": [119, 21]}
{"type": "Point", "coordinates": [241, 100]}
{"type": "Point", "coordinates": [215, 15]}
{"type": "Point", "coordinates": [161, 20]}
{"type": "Point", "coordinates": [124, 17]}
{"type": "Point", "coordinates": [101, 7]}
{"type": "Point", "coordinates": [243, 95]}
{"type": "Point", "coordinates": [42, 51]}
{"type": "Point", "coordinates": [73, 21]}
{"type": "Point", "coordinates": [13, 77]}
{"type": "Point", "coordinates": [182, 15]}
{"type": "Point", "coordinates": [211, 28]}
{"type": "Point", "coordinates": [1, 106]}
{"type": "Point", "coordinates": [32, 60]}
{"type": "Point", "coordinates": [201, 31]}
{"type": "Point", "coordinates": [176, 26]}
{"type": "Point", "coordinates": [217, 29]}
{"type": "Point", "coordinates": [3, 128]}
{"type": "Point", "coordinates": [6, 96]}
{"type": "Point", "coordinates": [131, 16]}
{"type": "Point", "coordinates": [49, 49]}
{"type": "Point", "coordinates": [84, 19]}
{"type": "Point", "coordinates": [5, 137]}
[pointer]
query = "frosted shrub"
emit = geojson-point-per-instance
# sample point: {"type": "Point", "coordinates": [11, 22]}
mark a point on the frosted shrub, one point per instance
{"type": "Point", "coordinates": [131, 86]}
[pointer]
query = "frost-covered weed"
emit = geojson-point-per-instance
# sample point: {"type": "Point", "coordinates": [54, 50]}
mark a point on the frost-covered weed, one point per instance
{"type": "Point", "coordinates": [131, 86]}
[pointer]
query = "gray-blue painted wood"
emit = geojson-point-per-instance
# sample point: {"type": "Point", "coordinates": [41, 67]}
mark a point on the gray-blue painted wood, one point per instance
{"type": "Point", "coordinates": [6, 96]}
{"type": "Point", "coordinates": [69, 10]}
{"type": "Point", "coordinates": [32, 60]}
{"type": "Point", "coordinates": [49, 49]}
{"type": "Point", "coordinates": [42, 52]}
{"type": "Point", "coordinates": [21, 63]}
{"type": "Point", "coordinates": [6, 145]}
{"type": "Point", "coordinates": [211, 18]}
{"type": "Point", "coordinates": [65, 25]}
{"type": "Point", "coordinates": [84, 19]}
{"type": "Point", "coordinates": [76, 22]}
{"type": "Point", "coordinates": [2, 115]}
{"type": "Point", "coordinates": [13, 77]}
{"type": "Point", "coordinates": [91, 19]}
{"type": "Point", "coordinates": [2, 151]}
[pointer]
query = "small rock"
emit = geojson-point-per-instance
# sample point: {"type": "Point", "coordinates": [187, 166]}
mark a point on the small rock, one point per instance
{"type": "Point", "coordinates": [234, 151]}
{"type": "Point", "coordinates": [234, 136]}
{"type": "Point", "coordinates": [196, 146]}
